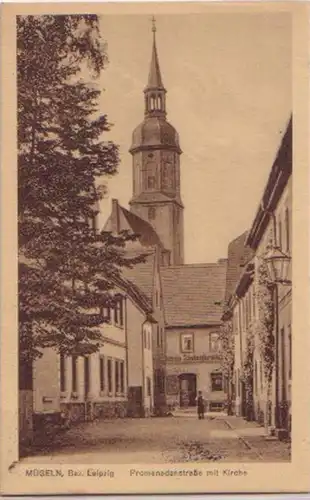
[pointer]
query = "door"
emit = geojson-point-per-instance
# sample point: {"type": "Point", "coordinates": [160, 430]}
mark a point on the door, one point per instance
{"type": "Point", "coordinates": [188, 389]}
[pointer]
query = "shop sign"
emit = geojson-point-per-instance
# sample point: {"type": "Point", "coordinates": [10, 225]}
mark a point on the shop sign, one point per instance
{"type": "Point", "coordinates": [188, 358]}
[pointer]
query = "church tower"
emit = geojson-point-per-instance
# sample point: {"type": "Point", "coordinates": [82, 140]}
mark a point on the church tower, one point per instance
{"type": "Point", "coordinates": [156, 154]}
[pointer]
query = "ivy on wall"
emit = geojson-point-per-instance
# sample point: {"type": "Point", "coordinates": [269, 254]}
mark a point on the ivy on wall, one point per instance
{"type": "Point", "coordinates": [247, 374]}
{"type": "Point", "coordinates": [228, 349]}
{"type": "Point", "coordinates": [264, 326]}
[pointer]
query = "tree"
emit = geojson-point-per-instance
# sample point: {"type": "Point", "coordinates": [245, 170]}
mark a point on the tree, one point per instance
{"type": "Point", "coordinates": [67, 269]}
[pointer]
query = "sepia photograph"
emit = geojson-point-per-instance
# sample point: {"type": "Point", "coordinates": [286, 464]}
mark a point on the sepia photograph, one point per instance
{"type": "Point", "coordinates": [155, 223]}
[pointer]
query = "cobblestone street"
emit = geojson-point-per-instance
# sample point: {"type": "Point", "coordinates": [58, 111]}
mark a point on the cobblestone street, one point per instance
{"type": "Point", "coordinates": [180, 438]}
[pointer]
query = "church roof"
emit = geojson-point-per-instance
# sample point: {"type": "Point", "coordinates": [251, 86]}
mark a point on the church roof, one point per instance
{"type": "Point", "coordinates": [155, 131]}
{"type": "Point", "coordinates": [123, 220]}
{"type": "Point", "coordinates": [194, 293]}
{"type": "Point", "coordinates": [142, 275]}
{"type": "Point", "coordinates": [238, 256]}
{"type": "Point", "coordinates": [148, 236]}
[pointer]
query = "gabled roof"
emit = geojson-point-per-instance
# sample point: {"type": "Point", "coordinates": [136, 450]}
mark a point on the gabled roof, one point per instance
{"type": "Point", "coordinates": [238, 256]}
{"type": "Point", "coordinates": [123, 220]}
{"type": "Point", "coordinates": [194, 293]}
{"type": "Point", "coordinates": [279, 175]}
{"type": "Point", "coordinates": [142, 275]}
{"type": "Point", "coordinates": [148, 235]}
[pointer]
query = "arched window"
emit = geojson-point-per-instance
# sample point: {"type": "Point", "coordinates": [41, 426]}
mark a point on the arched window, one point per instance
{"type": "Point", "coordinates": [151, 213]}
{"type": "Point", "coordinates": [150, 175]}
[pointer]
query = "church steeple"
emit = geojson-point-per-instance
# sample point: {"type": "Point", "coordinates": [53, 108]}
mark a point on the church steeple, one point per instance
{"type": "Point", "coordinates": [156, 152]}
{"type": "Point", "coordinates": [155, 92]}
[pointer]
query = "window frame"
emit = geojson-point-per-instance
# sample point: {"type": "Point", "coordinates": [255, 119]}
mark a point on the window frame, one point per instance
{"type": "Point", "coordinates": [119, 311]}
{"type": "Point", "coordinates": [151, 214]}
{"type": "Point", "coordinates": [63, 374]}
{"type": "Point", "coordinates": [102, 372]}
{"type": "Point", "coordinates": [213, 375]}
{"type": "Point", "coordinates": [183, 336]}
{"type": "Point", "coordinates": [122, 377]}
{"type": "Point", "coordinates": [74, 368]}
{"type": "Point", "coordinates": [211, 342]}
{"type": "Point", "coordinates": [110, 376]}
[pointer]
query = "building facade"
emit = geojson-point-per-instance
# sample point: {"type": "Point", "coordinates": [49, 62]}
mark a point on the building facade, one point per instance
{"type": "Point", "coordinates": [260, 310]}
{"type": "Point", "coordinates": [193, 296]}
{"type": "Point", "coordinates": [116, 381]}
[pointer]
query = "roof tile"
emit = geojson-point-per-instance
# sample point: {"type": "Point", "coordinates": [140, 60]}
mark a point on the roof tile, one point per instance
{"type": "Point", "coordinates": [194, 293]}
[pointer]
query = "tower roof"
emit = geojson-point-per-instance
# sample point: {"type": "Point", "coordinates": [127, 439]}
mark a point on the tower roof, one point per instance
{"type": "Point", "coordinates": [154, 80]}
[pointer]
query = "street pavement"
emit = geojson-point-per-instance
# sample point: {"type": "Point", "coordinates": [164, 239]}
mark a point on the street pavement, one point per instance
{"type": "Point", "coordinates": [176, 439]}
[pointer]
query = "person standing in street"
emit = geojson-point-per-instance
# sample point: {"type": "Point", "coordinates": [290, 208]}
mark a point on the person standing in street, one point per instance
{"type": "Point", "coordinates": [200, 406]}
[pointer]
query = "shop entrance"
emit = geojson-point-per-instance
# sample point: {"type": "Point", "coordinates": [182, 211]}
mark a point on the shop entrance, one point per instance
{"type": "Point", "coordinates": [188, 389]}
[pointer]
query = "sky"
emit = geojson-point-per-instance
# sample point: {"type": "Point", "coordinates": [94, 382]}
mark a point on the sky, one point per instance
{"type": "Point", "coordinates": [228, 81]}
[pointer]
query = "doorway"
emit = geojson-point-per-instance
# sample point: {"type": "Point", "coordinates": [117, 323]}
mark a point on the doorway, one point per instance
{"type": "Point", "coordinates": [188, 389]}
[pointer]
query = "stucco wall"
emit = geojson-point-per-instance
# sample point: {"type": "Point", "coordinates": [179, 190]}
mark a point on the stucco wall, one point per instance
{"type": "Point", "coordinates": [202, 368]}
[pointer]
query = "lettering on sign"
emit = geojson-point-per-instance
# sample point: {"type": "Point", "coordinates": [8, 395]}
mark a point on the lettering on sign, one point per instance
{"type": "Point", "coordinates": [192, 358]}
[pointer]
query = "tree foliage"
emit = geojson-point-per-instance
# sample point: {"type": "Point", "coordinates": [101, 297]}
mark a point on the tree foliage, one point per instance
{"type": "Point", "coordinates": [67, 269]}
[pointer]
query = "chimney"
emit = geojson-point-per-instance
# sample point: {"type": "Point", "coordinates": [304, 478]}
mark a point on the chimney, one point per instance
{"type": "Point", "coordinates": [115, 216]}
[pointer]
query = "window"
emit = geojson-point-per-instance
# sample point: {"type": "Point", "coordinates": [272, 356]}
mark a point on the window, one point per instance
{"type": "Point", "coordinates": [74, 374]}
{"type": "Point", "coordinates": [162, 337]}
{"type": "Point", "coordinates": [86, 374]}
{"type": "Point", "coordinates": [187, 342]}
{"type": "Point", "coordinates": [119, 311]}
{"type": "Point", "coordinates": [156, 298]}
{"type": "Point", "coordinates": [216, 382]}
{"type": "Point", "coordinates": [109, 376]}
{"type": "Point", "coordinates": [287, 230]}
{"type": "Point", "coordinates": [122, 376]}
{"type": "Point", "coordinates": [280, 234]}
{"type": "Point", "coordinates": [106, 313]}
{"type": "Point", "coordinates": [214, 342]}
{"type": "Point", "coordinates": [158, 335]}
{"type": "Point", "coordinates": [151, 182]}
{"type": "Point", "coordinates": [261, 376]}
{"type": "Point", "coordinates": [152, 213]}
{"type": "Point", "coordinates": [117, 378]}
{"type": "Point", "coordinates": [255, 377]}
{"type": "Point", "coordinates": [62, 373]}
{"type": "Point", "coordinates": [144, 338]}
{"type": "Point", "coordinates": [94, 222]}
{"type": "Point", "coordinates": [101, 373]}
{"type": "Point", "coordinates": [148, 386]}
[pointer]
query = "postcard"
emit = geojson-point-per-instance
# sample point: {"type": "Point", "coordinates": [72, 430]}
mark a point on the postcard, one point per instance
{"type": "Point", "coordinates": [155, 232]}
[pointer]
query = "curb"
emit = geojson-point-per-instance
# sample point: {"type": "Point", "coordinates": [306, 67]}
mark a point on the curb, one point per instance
{"type": "Point", "coordinates": [244, 441]}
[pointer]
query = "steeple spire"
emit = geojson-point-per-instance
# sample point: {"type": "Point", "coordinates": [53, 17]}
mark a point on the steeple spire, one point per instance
{"type": "Point", "coordinates": [155, 91]}
{"type": "Point", "coordinates": [154, 81]}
